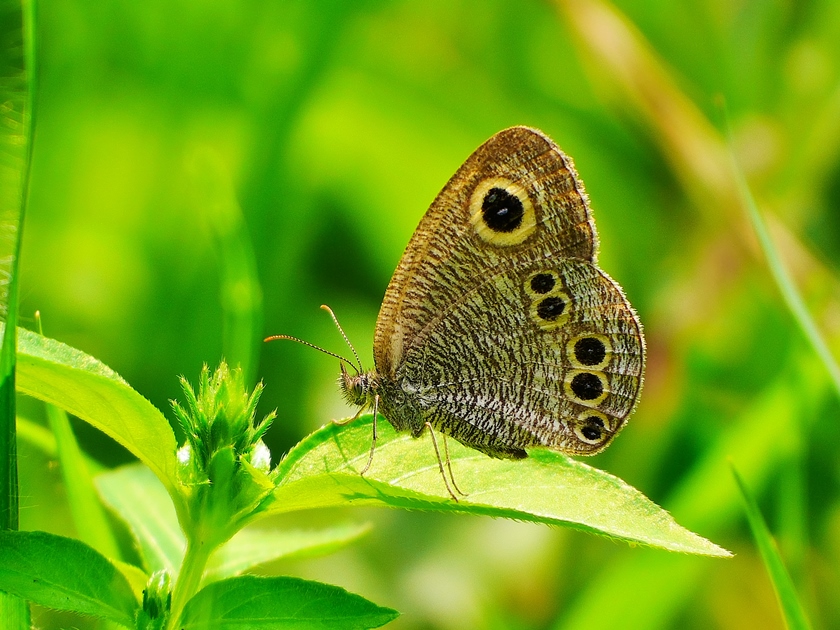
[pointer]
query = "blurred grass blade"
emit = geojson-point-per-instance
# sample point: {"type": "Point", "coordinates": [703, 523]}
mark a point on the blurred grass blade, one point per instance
{"type": "Point", "coordinates": [139, 498]}
{"type": "Point", "coordinates": [547, 487]}
{"type": "Point", "coordinates": [89, 516]}
{"type": "Point", "coordinates": [249, 602]}
{"type": "Point", "coordinates": [642, 81]}
{"type": "Point", "coordinates": [17, 89]}
{"type": "Point", "coordinates": [792, 610]}
{"type": "Point", "coordinates": [252, 547]}
{"type": "Point", "coordinates": [783, 280]}
{"type": "Point", "coordinates": [241, 294]}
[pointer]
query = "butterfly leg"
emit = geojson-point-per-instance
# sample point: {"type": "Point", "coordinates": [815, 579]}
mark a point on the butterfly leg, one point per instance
{"type": "Point", "coordinates": [449, 465]}
{"type": "Point", "coordinates": [440, 464]}
{"type": "Point", "coordinates": [373, 441]}
{"type": "Point", "coordinates": [343, 421]}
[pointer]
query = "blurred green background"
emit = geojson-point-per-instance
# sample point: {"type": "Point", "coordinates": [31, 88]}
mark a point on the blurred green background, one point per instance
{"type": "Point", "coordinates": [206, 174]}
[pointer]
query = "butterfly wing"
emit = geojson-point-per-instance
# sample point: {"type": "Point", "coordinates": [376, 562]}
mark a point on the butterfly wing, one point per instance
{"type": "Point", "coordinates": [552, 355]}
{"type": "Point", "coordinates": [516, 194]}
{"type": "Point", "coordinates": [497, 322]}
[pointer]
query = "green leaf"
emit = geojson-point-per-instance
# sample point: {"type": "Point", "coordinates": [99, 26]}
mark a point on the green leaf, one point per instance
{"type": "Point", "coordinates": [76, 382]}
{"type": "Point", "coordinates": [18, 84]}
{"type": "Point", "coordinates": [66, 574]}
{"type": "Point", "coordinates": [17, 87]}
{"type": "Point", "coordinates": [792, 610]}
{"type": "Point", "coordinates": [252, 547]}
{"type": "Point", "coordinates": [254, 603]}
{"type": "Point", "coordinates": [547, 487]}
{"type": "Point", "coordinates": [140, 499]}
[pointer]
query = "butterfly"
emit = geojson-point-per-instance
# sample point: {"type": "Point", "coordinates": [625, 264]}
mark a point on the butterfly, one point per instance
{"type": "Point", "coordinates": [498, 328]}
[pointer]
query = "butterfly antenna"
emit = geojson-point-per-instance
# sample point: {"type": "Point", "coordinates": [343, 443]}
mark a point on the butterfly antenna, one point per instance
{"type": "Point", "coordinates": [312, 345]}
{"type": "Point", "coordinates": [341, 330]}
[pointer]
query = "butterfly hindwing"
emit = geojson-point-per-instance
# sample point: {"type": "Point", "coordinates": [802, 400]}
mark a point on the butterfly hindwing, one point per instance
{"type": "Point", "coordinates": [553, 356]}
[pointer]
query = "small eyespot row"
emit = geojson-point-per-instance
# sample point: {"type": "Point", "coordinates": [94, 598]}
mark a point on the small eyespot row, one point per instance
{"type": "Point", "coordinates": [549, 304]}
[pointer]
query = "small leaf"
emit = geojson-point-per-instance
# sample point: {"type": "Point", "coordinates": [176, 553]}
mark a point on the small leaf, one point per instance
{"type": "Point", "coordinates": [137, 496]}
{"type": "Point", "coordinates": [252, 547]}
{"type": "Point", "coordinates": [254, 603]}
{"type": "Point", "coordinates": [76, 382]}
{"type": "Point", "coordinates": [547, 487]}
{"type": "Point", "coordinates": [792, 610]}
{"type": "Point", "coordinates": [65, 574]}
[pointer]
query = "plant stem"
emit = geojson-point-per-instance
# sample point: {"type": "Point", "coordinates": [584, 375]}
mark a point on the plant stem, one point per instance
{"type": "Point", "coordinates": [189, 578]}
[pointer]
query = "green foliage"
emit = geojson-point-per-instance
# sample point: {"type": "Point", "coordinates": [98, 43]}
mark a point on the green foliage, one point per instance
{"type": "Point", "coordinates": [65, 574]}
{"type": "Point", "coordinates": [224, 469]}
{"type": "Point", "coordinates": [547, 487]}
{"type": "Point", "coordinates": [18, 85]}
{"type": "Point", "coordinates": [223, 480]}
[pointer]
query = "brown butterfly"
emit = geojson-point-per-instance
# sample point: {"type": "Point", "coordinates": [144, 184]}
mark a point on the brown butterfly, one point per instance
{"type": "Point", "coordinates": [498, 328]}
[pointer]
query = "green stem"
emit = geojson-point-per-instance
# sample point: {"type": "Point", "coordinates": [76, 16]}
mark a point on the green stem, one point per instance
{"type": "Point", "coordinates": [189, 578]}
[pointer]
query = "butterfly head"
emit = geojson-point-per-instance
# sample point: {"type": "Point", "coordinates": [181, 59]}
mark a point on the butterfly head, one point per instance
{"type": "Point", "coordinates": [357, 387]}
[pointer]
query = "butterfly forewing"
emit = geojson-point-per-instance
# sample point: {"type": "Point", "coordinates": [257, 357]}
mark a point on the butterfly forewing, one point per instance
{"type": "Point", "coordinates": [453, 250]}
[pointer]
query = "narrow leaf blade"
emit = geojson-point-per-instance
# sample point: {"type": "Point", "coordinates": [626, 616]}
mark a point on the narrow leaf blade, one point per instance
{"type": "Point", "coordinates": [65, 574]}
{"type": "Point", "coordinates": [782, 278]}
{"type": "Point", "coordinates": [287, 603]}
{"type": "Point", "coordinates": [88, 512]}
{"type": "Point", "coordinates": [792, 610]}
{"type": "Point", "coordinates": [547, 487]}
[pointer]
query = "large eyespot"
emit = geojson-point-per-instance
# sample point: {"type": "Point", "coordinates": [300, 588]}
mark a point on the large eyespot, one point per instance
{"type": "Point", "coordinates": [501, 212]}
{"type": "Point", "coordinates": [585, 387]}
{"type": "Point", "coordinates": [592, 351]}
{"type": "Point", "coordinates": [593, 427]}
